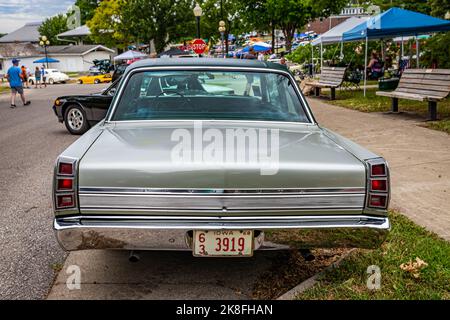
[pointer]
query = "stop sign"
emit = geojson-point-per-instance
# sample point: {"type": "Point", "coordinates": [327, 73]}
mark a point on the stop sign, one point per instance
{"type": "Point", "coordinates": [198, 45]}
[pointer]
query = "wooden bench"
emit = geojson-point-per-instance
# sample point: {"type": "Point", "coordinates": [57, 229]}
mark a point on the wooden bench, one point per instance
{"type": "Point", "coordinates": [430, 85]}
{"type": "Point", "coordinates": [330, 77]}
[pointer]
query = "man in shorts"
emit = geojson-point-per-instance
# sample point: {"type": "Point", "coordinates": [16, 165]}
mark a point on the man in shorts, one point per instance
{"type": "Point", "coordinates": [15, 82]}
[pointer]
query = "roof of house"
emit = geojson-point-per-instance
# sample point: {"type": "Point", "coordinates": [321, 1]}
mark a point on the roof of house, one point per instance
{"type": "Point", "coordinates": [28, 33]}
{"type": "Point", "coordinates": [75, 49]}
{"type": "Point", "coordinates": [18, 50]}
{"type": "Point", "coordinates": [77, 32]}
{"type": "Point", "coordinates": [205, 62]}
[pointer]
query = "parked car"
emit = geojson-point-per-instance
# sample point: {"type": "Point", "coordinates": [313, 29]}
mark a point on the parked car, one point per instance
{"type": "Point", "coordinates": [51, 76]}
{"type": "Point", "coordinates": [175, 167]}
{"type": "Point", "coordinates": [80, 112]}
{"type": "Point", "coordinates": [95, 77]}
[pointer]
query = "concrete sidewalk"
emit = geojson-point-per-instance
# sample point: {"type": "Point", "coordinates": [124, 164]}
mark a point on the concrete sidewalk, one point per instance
{"type": "Point", "coordinates": [419, 159]}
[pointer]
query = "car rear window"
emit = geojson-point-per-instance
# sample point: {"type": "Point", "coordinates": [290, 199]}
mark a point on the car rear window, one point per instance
{"type": "Point", "coordinates": [216, 95]}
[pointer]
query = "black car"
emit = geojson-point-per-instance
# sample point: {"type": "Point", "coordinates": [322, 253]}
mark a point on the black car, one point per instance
{"type": "Point", "coordinates": [80, 112]}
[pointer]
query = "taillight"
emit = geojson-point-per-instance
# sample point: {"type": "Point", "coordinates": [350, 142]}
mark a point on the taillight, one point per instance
{"type": "Point", "coordinates": [378, 184]}
{"type": "Point", "coordinates": [65, 184]}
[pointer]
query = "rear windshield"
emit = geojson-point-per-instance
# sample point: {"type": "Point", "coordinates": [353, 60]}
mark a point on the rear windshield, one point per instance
{"type": "Point", "coordinates": [215, 95]}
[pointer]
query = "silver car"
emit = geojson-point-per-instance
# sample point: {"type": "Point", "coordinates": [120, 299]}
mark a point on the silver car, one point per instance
{"type": "Point", "coordinates": [223, 172]}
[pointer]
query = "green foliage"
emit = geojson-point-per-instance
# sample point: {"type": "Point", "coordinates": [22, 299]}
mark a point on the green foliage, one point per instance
{"type": "Point", "coordinates": [439, 7]}
{"type": "Point", "coordinates": [53, 26]}
{"type": "Point", "coordinates": [436, 51]}
{"type": "Point", "coordinates": [87, 9]}
{"type": "Point", "coordinates": [106, 24]}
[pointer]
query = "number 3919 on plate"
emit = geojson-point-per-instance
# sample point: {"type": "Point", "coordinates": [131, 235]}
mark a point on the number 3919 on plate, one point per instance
{"type": "Point", "coordinates": [223, 243]}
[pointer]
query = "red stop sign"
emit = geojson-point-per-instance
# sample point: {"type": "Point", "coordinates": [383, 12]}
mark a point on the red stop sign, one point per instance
{"type": "Point", "coordinates": [198, 45]}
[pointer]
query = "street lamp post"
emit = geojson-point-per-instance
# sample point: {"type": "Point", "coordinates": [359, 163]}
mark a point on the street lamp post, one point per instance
{"type": "Point", "coordinates": [44, 42]}
{"type": "Point", "coordinates": [198, 13]}
{"type": "Point", "coordinates": [222, 32]}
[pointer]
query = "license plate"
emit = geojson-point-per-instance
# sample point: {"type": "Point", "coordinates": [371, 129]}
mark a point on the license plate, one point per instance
{"type": "Point", "coordinates": [223, 243]}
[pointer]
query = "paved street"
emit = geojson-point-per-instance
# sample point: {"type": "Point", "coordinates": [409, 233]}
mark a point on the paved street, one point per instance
{"type": "Point", "coordinates": [30, 140]}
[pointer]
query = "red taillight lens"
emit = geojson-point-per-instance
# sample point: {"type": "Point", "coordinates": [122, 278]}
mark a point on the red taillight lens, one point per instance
{"type": "Point", "coordinates": [378, 170]}
{"type": "Point", "coordinates": [65, 201]}
{"type": "Point", "coordinates": [65, 168]}
{"type": "Point", "coordinates": [377, 201]}
{"type": "Point", "coordinates": [378, 185]}
{"type": "Point", "coordinates": [65, 184]}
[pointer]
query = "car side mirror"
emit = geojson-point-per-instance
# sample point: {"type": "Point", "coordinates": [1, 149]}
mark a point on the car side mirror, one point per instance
{"type": "Point", "coordinates": [112, 91]}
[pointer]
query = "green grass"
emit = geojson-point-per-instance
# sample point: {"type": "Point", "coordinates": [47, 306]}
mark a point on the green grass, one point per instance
{"type": "Point", "coordinates": [4, 89]}
{"type": "Point", "coordinates": [405, 242]}
{"type": "Point", "coordinates": [443, 125]}
{"type": "Point", "coordinates": [355, 100]}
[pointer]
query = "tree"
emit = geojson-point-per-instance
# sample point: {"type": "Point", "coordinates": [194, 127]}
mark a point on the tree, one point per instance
{"type": "Point", "coordinates": [106, 25]}
{"type": "Point", "coordinates": [439, 8]}
{"type": "Point", "coordinates": [290, 15]}
{"type": "Point", "coordinates": [53, 26]}
{"type": "Point", "coordinates": [87, 9]}
{"type": "Point", "coordinates": [413, 5]}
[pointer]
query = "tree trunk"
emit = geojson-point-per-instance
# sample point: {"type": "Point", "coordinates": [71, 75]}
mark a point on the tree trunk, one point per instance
{"type": "Point", "coordinates": [288, 31]}
{"type": "Point", "coordinates": [273, 36]}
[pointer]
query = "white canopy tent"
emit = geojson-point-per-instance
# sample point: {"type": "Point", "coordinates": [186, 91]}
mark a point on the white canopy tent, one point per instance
{"type": "Point", "coordinates": [334, 35]}
{"type": "Point", "coordinates": [130, 55]}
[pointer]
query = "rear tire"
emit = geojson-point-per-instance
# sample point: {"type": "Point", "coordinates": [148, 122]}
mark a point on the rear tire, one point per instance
{"type": "Point", "coordinates": [75, 120]}
{"type": "Point", "coordinates": [51, 81]}
{"type": "Point", "coordinates": [80, 81]}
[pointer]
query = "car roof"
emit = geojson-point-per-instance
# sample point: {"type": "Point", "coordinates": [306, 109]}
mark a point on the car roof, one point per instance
{"type": "Point", "coordinates": [205, 62]}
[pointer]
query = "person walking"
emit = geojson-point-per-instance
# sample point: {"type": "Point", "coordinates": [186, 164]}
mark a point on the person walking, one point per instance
{"type": "Point", "coordinates": [24, 77]}
{"type": "Point", "coordinates": [15, 82]}
{"type": "Point", "coordinates": [37, 76]}
{"type": "Point", "coordinates": [43, 77]}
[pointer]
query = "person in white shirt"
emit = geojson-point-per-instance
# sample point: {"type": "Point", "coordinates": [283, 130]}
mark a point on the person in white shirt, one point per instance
{"type": "Point", "coordinates": [260, 56]}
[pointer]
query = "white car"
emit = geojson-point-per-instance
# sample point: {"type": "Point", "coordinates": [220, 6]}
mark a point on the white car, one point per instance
{"type": "Point", "coordinates": [51, 76]}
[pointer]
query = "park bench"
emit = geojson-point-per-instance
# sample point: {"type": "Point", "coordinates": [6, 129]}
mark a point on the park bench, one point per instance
{"type": "Point", "coordinates": [431, 85]}
{"type": "Point", "coordinates": [330, 77]}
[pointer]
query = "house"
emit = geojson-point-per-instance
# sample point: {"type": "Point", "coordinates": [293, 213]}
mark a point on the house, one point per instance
{"type": "Point", "coordinates": [72, 58]}
{"type": "Point", "coordinates": [77, 58]}
{"type": "Point", "coordinates": [27, 34]}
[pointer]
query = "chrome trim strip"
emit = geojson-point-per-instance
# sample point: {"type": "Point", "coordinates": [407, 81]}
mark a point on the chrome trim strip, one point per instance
{"type": "Point", "coordinates": [221, 202]}
{"type": "Point", "coordinates": [124, 81]}
{"type": "Point", "coordinates": [215, 192]}
{"type": "Point", "coordinates": [331, 220]}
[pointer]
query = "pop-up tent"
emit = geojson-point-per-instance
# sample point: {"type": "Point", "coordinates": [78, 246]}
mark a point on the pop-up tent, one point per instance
{"type": "Point", "coordinates": [392, 23]}
{"type": "Point", "coordinates": [46, 60]}
{"type": "Point", "coordinates": [334, 35]}
{"type": "Point", "coordinates": [258, 47]}
{"type": "Point", "coordinates": [130, 55]}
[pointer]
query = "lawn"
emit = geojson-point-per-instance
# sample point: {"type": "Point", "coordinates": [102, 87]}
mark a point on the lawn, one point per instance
{"type": "Point", "coordinates": [405, 243]}
{"type": "Point", "coordinates": [4, 89]}
{"type": "Point", "coordinates": [372, 103]}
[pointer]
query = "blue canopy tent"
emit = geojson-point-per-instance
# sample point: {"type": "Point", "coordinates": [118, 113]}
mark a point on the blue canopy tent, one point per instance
{"type": "Point", "coordinates": [393, 23]}
{"type": "Point", "coordinates": [258, 47]}
{"type": "Point", "coordinates": [46, 60]}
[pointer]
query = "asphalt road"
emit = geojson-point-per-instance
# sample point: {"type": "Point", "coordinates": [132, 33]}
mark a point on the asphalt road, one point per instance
{"type": "Point", "coordinates": [30, 140]}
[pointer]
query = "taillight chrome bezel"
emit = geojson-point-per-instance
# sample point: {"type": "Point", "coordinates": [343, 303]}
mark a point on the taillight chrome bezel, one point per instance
{"type": "Point", "coordinates": [64, 192]}
{"type": "Point", "coordinates": [369, 206]}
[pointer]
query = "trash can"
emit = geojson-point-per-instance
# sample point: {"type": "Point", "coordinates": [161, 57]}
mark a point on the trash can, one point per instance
{"type": "Point", "coordinates": [388, 84]}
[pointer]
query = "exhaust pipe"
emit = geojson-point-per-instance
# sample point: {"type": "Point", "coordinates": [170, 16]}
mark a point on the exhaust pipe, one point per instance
{"type": "Point", "coordinates": [307, 255]}
{"type": "Point", "coordinates": [134, 256]}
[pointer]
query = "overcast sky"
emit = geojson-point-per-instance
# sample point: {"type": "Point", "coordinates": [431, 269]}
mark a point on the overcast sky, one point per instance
{"type": "Point", "coordinates": [15, 13]}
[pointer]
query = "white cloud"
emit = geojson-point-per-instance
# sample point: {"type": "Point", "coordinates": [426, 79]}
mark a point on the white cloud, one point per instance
{"type": "Point", "coordinates": [15, 13]}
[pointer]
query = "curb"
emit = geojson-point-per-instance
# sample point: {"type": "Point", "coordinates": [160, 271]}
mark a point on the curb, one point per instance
{"type": "Point", "coordinates": [310, 282]}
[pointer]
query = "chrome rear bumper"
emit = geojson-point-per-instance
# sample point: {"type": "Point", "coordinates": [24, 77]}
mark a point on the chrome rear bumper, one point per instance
{"type": "Point", "coordinates": [175, 233]}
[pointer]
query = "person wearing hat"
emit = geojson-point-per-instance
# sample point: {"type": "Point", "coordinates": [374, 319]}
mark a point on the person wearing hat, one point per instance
{"type": "Point", "coordinates": [14, 76]}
